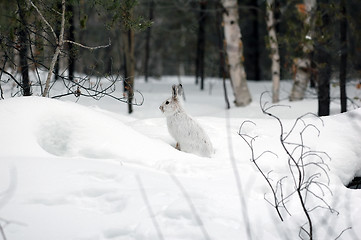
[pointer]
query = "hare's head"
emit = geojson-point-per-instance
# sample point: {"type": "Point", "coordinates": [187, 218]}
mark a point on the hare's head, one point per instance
{"type": "Point", "coordinates": [173, 105]}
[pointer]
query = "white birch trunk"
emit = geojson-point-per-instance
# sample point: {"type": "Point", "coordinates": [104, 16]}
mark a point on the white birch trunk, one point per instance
{"type": "Point", "coordinates": [303, 65]}
{"type": "Point", "coordinates": [275, 56]}
{"type": "Point", "coordinates": [60, 42]}
{"type": "Point", "coordinates": [234, 49]}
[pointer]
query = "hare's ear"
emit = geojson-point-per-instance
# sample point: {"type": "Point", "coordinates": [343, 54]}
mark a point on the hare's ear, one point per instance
{"type": "Point", "coordinates": [180, 90]}
{"type": "Point", "coordinates": [174, 92]}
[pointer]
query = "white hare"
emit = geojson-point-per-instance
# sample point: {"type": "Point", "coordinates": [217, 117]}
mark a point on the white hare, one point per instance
{"type": "Point", "coordinates": [189, 135]}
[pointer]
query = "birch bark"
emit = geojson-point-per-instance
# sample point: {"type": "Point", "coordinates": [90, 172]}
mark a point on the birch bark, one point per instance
{"type": "Point", "coordinates": [275, 56]}
{"type": "Point", "coordinates": [234, 50]}
{"type": "Point", "coordinates": [303, 65]}
{"type": "Point", "coordinates": [60, 42]}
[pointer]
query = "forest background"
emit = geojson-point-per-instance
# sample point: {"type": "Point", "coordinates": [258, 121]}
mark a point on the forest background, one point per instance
{"type": "Point", "coordinates": [172, 38]}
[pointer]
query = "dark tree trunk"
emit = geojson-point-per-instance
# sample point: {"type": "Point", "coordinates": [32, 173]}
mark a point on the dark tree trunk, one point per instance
{"type": "Point", "coordinates": [128, 46]}
{"type": "Point", "coordinates": [147, 42]}
{"type": "Point", "coordinates": [125, 70]}
{"type": "Point", "coordinates": [343, 57]}
{"type": "Point", "coordinates": [71, 59]}
{"type": "Point", "coordinates": [201, 43]}
{"type": "Point", "coordinates": [324, 77]}
{"type": "Point", "coordinates": [324, 65]}
{"type": "Point", "coordinates": [255, 42]}
{"type": "Point", "coordinates": [57, 32]}
{"type": "Point", "coordinates": [23, 50]}
{"type": "Point", "coordinates": [253, 53]}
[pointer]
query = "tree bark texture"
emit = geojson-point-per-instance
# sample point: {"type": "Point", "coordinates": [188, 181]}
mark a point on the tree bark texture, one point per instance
{"type": "Point", "coordinates": [256, 73]}
{"type": "Point", "coordinates": [128, 47]}
{"type": "Point", "coordinates": [275, 56]}
{"type": "Point", "coordinates": [23, 49]}
{"type": "Point", "coordinates": [71, 59]}
{"type": "Point", "coordinates": [60, 43]}
{"type": "Point", "coordinates": [324, 66]}
{"type": "Point", "coordinates": [201, 43]}
{"type": "Point", "coordinates": [303, 69]}
{"type": "Point", "coordinates": [343, 57]}
{"type": "Point", "coordinates": [234, 49]}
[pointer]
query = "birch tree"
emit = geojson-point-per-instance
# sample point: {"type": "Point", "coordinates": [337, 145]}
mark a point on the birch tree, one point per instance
{"type": "Point", "coordinates": [303, 65]}
{"type": "Point", "coordinates": [234, 50]}
{"type": "Point", "coordinates": [59, 39]}
{"type": "Point", "coordinates": [275, 56]}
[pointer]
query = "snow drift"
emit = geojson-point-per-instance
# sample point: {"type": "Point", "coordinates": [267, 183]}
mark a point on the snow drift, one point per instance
{"type": "Point", "coordinates": [73, 172]}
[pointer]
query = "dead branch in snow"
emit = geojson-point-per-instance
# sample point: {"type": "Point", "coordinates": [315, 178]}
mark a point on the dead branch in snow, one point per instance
{"type": "Point", "coordinates": [307, 181]}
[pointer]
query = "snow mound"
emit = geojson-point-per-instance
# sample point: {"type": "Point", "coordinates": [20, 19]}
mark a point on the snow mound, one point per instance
{"type": "Point", "coordinates": [66, 174]}
{"type": "Point", "coordinates": [67, 129]}
{"type": "Point", "coordinates": [340, 138]}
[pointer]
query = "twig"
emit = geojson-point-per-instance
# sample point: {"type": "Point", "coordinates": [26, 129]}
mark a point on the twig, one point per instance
{"type": "Point", "coordinates": [349, 228]}
{"type": "Point", "coordinates": [45, 21]}
{"type": "Point", "coordinates": [87, 47]}
{"type": "Point", "coordinates": [254, 160]}
{"type": "Point", "coordinates": [300, 159]}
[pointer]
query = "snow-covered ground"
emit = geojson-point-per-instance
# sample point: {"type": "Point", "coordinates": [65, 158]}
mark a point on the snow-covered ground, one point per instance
{"type": "Point", "coordinates": [87, 170]}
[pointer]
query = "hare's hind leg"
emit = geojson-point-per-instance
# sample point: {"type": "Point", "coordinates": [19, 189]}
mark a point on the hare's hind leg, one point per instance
{"type": "Point", "coordinates": [177, 146]}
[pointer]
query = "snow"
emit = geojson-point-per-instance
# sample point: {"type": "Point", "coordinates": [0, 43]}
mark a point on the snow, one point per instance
{"type": "Point", "coordinates": [87, 170]}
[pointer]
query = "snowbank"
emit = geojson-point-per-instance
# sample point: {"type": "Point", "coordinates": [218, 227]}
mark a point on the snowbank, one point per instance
{"type": "Point", "coordinates": [69, 171]}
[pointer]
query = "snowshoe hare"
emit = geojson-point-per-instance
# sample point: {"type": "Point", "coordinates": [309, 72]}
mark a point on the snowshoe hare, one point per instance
{"type": "Point", "coordinates": [189, 135]}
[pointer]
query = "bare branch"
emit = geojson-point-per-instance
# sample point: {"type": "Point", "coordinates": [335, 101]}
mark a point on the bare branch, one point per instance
{"type": "Point", "coordinates": [45, 21]}
{"type": "Point", "coordinates": [11, 76]}
{"type": "Point", "coordinates": [349, 228]}
{"type": "Point", "coordinates": [306, 167]}
{"type": "Point", "coordinates": [254, 160]}
{"type": "Point", "coordinates": [87, 47]}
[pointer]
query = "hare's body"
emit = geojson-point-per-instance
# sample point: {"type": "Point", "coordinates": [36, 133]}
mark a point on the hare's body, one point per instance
{"type": "Point", "coordinates": [189, 135]}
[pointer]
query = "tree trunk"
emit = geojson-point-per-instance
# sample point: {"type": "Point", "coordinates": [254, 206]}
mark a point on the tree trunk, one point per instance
{"type": "Point", "coordinates": [275, 56]}
{"type": "Point", "coordinates": [234, 49]}
{"type": "Point", "coordinates": [324, 66]}
{"type": "Point", "coordinates": [71, 59]}
{"type": "Point", "coordinates": [303, 68]}
{"type": "Point", "coordinates": [324, 84]}
{"type": "Point", "coordinates": [23, 50]}
{"type": "Point", "coordinates": [343, 57]}
{"type": "Point", "coordinates": [255, 43]}
{"type": "Point", "coordinates": [57, 32]}
{"type": "Point", "coordinates": [201, 43]}
{"type": "Point", "coordinates": [128, 47]}
{"type": "Point", "coordinates": [147, 41]}
{"type": "Point", "coordinates": [222, 67]}
{"type": "Point", "coordinates": [60, 43]}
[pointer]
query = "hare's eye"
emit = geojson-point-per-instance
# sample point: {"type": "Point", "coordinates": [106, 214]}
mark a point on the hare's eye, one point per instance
{"type": "Point", "coordinates": [167, 102]}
